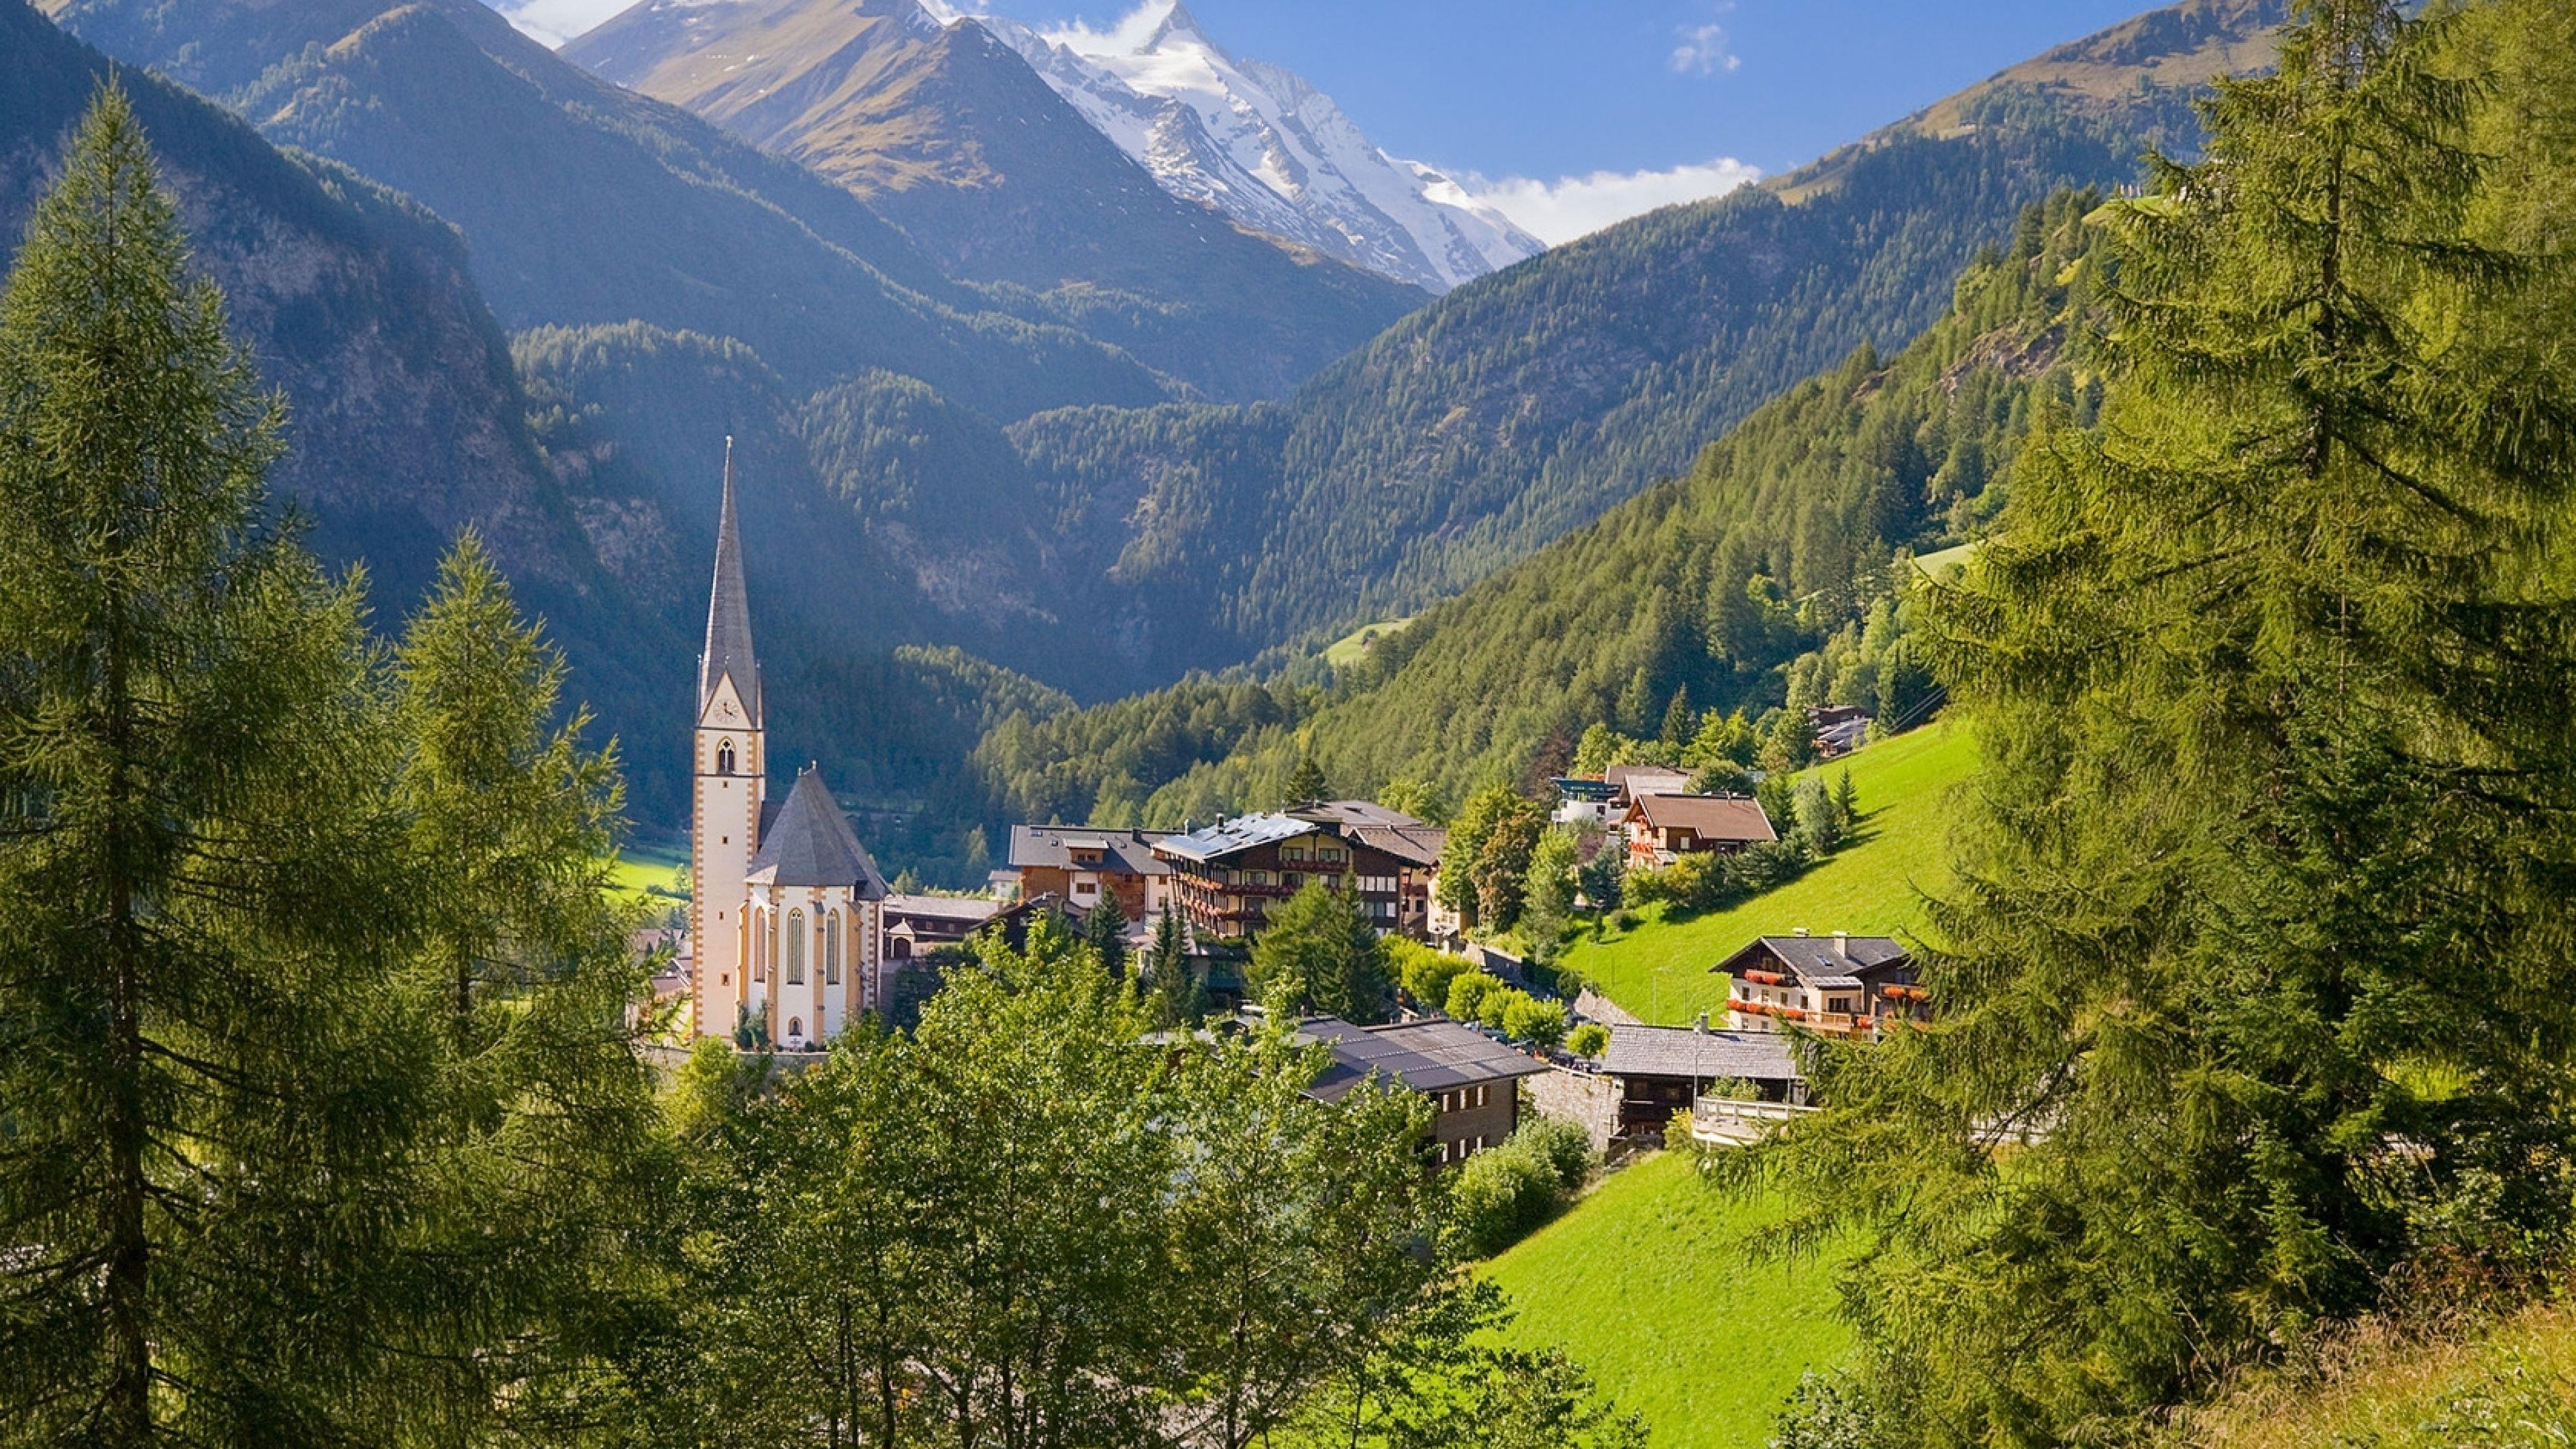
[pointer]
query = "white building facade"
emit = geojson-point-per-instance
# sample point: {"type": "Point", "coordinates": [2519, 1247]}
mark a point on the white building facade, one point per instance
{"type": "Point", "coordinates": [785, 904]}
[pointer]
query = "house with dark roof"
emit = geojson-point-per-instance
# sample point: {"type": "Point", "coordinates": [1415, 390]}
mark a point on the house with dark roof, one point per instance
{"type": "Point", "coordinates": [1664, 828]}
{"type": "Point", "coordinates": [1661, 1070]}
{"type": "Point", "coordinates": [1471, 1080]}
{"type": "Point", "coordinates": [1228, 877]}
{"type": "Point", "coordinates": [1081, 864]}
{"type": "Point", "coordinates": [917, 925]}
{"type": "Point", "coordinates": [1840, 985]}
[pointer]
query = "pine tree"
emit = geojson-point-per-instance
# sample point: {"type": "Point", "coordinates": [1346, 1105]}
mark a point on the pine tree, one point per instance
{"type": "Point", "coordinates": [1305, 784]}
{"type": "Point", "coordinates": [549, 1137]}
{"type": "Point", "coordinates": [1680, 723]}
{"type": "Point", "coordinates": [1320, 954]}
{"type": "Point", "coordinates": [1169, 965]}
{"type": "Point", "coordinates": [214, 1072]}
{"type": "Point", "coordinates": [1106, 931]}
{"type": "Point", "coordinates": [2273, 677]}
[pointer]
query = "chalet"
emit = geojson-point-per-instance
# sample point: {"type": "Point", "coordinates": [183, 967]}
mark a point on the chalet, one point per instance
{"type": "Point", "coordinates": [1661, 1070]}
{"type": "Point", "coordinates": [1227, 878]}
{"type": "Point", "coordinates": [918, 925]}
{"type": "Point", "coordinates": [1840, 985]}
{"type": "Point", "coordinates": [1840, 728]}
{"type": "Point", "coordinates": [1471, 1080]}
{"type": "Point", "coordinates": [1664, 828]}
{"type": "Point", "coordinates": [1077, 865]}
{"type": "Point", "coordinates": [1628, 783]}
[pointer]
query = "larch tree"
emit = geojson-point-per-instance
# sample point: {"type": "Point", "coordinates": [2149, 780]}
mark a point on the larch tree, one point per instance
{"type": "Point", "coordinates": [556, 1176]}
{"type": "Point", "coordinates": [2265, 904]}
{"type": "Point", "coordinates": [211, 1071]}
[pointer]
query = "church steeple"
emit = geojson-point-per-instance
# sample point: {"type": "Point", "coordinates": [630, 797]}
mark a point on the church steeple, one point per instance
{"type": "Point", "coordinates": [728, 651]}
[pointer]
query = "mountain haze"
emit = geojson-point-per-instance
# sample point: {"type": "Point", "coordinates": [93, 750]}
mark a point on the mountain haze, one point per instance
{"type": "Point", "coordinates": [949, 133]}
{"type": "Point", "coordinates": [1260, 144]}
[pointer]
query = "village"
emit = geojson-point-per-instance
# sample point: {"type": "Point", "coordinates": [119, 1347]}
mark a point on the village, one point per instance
{"type": "Point", "coordinates": [793, 935]}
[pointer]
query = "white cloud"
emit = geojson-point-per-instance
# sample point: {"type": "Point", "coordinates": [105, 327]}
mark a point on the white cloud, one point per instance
{"type": "Point", "coordinates": [1120, 37]}
{"type": "Point", "coordinates": [1703, 51]}
{"type": "Point", "coordinates": [1559, 211]}
{"type": "Point", "coordinates": [552, 22]}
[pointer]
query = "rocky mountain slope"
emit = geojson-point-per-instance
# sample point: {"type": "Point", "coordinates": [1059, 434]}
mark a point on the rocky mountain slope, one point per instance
{"type": "Point", "coordinates": [948, 132]}
{"type": "Point", "coordinates": [1260, 144]}
{"type": "Point", "coordinates": [406, 422]}
{"type": "Point", "coordinates": [583, 204]}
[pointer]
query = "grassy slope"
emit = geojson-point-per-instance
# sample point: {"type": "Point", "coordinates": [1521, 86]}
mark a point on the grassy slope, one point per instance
{"type": "Point", "coordinates": [1643, 1283]}
{"type": "Point", "coordinates": [644, 873]}
{"type": "Point", "coordinates": [1660, 970]}
{"type": "Point", "coordinates": [1352, 647]}
{"type": "Point", "coordinates": [2511, 1384]}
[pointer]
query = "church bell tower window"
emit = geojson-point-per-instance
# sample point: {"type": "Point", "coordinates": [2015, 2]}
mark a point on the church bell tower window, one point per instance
{"type": "Point", "coordinates": [724, 758]}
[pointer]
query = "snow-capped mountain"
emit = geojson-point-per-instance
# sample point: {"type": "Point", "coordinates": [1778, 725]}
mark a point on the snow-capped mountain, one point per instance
{"type": "Point", "coordinates": [1264, 147]}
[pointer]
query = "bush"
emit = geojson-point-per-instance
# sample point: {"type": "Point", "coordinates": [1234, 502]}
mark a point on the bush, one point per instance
{"type": "Point", "coordinates": [1467, 991]}
{"type": "Point", "coordinates": [1564, 1146]}
{"type": "Point", "coordinates": [1424, 973]}
{"type": "Point", "coordinates": [1826, 1413]}
{"type": "Point", "coordinates": [1501, 1196]}
{"type": "Point", "coordinates": [1526, 1018]}
{"type": "Point", "coordinates": [1588, 1040]}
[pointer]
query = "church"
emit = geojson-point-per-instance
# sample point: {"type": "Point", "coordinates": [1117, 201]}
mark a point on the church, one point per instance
{"type": "Point", "coordinates": [785, 904]}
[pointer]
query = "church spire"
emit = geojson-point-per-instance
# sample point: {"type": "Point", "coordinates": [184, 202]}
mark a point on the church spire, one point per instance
{"type": "Point", "coordinates": [728, 651]}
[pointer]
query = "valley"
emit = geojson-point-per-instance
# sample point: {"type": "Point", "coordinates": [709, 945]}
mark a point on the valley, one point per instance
{"type": "Point", "coordinates": [761, 722]}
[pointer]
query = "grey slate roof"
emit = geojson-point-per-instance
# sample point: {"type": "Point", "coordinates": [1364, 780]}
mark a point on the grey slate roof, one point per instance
{"type": "Point", "coordinates": [812, 844]}
{"type": "Point", "coordinates": [942, 908]}
{"type": "Point", "coordinates": [1817, 962]}
{"type": "Point", "coordinates": [1351, 812]}
{"type": "Point", "coordinates": [1358, 821]}
{"type": "Point", "coordinates": [728, 650]}
{"type": "Point", "coordinates": [1129, 851]}
{"type": "Point", "coordinates": [1426, 1056]}
{"type": "Point", "coordinates": [1681, 1051]}
{"type": "Point", "coordinates": [1242, 833]}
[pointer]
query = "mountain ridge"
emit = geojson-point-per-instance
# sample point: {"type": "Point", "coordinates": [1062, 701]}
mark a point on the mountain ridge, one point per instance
{"type": "Point", "coordinates": [1263, 145]}
{"type": "Point", "coordinates": [949, 133]}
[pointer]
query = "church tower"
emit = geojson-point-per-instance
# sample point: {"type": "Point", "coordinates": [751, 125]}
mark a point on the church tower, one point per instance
{"type": "Point", "coordinates": [726, 787]}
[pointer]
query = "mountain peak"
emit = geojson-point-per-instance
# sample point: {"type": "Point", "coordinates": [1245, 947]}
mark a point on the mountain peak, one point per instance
{"type": "Point", "coordinates": [1261, 145]}
{"type": "Point", "coordinates": [1177, 24]}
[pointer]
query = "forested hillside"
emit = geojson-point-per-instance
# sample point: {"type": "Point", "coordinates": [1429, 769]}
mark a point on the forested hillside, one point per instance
{"type": "Point", "coordinates": [1788, 533]}
{"type": "Point", "coordinates": [1525, 403]}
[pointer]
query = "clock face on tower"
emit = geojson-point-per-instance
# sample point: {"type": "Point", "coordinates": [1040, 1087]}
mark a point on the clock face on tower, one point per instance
{"type": "Point", "coordinates": [724, 709]}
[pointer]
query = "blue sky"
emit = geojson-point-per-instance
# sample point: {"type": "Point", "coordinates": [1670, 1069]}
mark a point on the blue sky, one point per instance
{"type": "Point", "coordinates": [1580, 111]}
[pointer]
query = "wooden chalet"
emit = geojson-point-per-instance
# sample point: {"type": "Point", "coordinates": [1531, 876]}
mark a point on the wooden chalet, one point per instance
{"type": "Point", "coordinates": [1839, 985]}
{"type": "Point", "coordinates": [1661, 1070]}
{"type": "Point", "coordinates": [1664, 828]}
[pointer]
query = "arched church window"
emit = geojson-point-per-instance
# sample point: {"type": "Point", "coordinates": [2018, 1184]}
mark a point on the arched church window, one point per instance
{"type": "Point", "coordinates": [724, 758]}
{"type": "Point", "coordinates": [759, 945]}
{"type": "Point", "coordinates": [832, 950]}
{"type": "Point", "coordinates": [795, 934]}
